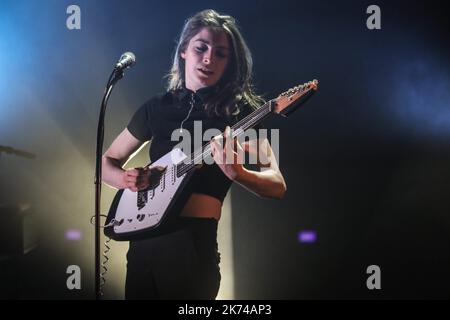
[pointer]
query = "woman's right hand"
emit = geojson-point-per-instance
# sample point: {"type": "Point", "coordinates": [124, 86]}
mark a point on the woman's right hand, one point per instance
{"type": "Point", "coordinates": [137, 179]}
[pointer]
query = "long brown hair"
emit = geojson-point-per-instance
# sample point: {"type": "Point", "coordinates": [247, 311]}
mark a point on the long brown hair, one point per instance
{"type": "Point", "coordinates": [235, 86]}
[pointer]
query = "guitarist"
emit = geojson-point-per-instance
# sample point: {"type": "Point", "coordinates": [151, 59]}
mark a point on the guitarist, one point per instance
{"type": "Point", "coordinates": [210, 81]}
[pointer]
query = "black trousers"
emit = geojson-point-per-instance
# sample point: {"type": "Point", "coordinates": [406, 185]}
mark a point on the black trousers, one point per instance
{"type": "Point", "coordinates": [183, 264]}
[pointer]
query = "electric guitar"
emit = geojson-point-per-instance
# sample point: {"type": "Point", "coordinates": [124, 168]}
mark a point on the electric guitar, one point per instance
{"type": "Point", "coordinates": [151, 212]}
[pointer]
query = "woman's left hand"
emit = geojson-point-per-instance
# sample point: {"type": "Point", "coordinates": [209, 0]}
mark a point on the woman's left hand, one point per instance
{"type": "Point", "coordinates": [228, 154]}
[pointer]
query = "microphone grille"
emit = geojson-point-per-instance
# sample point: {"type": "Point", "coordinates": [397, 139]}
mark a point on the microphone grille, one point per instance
{"type": "Point", "coordinates": [130, 55]}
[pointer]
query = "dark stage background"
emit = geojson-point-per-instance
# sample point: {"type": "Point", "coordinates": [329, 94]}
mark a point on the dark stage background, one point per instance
{"type": "Point", "coordinates": [366, 160]}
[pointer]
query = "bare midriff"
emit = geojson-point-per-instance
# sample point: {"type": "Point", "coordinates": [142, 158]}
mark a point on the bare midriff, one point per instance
{"type": "Point", "coordinates": [202, 206]}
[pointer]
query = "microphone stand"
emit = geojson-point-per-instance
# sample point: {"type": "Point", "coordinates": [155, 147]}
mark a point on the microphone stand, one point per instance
{"type": "Point", "coordinates": [115, 76]}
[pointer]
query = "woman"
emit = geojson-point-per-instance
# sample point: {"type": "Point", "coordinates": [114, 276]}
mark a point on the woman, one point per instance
{"type": "Point", "coordinates": [210, 81]}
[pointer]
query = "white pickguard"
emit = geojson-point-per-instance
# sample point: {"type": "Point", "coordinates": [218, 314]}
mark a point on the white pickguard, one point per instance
{"type": "Point", "coordinates": [158, 199]}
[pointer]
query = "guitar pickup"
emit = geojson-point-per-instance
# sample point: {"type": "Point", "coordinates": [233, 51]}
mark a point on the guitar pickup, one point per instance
{"type": "Point", "coordinates": [142, 199]}
{"type": "Point", "coordinates": [173, 172]}
{"type": "Point", "coordinates": [163, 182]}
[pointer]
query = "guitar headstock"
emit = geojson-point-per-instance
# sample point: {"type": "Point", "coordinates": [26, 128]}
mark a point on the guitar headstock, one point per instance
{"type": "Point", "coordinates": [290, 100]}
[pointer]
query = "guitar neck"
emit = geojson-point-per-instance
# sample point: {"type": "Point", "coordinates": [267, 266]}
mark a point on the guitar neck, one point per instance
{"type": "Point", "coordinates": [284, 104]}
{"type": "Point", "coordinates": [237, 129]}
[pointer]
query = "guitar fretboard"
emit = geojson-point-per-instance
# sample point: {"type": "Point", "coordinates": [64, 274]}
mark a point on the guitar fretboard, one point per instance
{"type": "Point", "coordinates": [237, 129]}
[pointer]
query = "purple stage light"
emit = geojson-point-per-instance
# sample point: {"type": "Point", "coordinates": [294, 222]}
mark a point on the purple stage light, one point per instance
{"type": "Point", "coordinates": [73, 235]}
{"type": "Point", "coordinates": [307, 236]}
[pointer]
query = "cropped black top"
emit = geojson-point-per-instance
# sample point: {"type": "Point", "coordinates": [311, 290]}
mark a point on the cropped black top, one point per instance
{"type": "Point", "coordinates": [156, 119]}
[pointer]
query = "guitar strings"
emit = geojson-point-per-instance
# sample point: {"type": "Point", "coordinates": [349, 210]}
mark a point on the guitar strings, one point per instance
{"type": "Point", "coordinates": [245, 123]}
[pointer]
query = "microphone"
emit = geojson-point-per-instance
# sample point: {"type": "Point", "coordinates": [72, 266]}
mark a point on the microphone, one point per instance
{"type": "Point", "coordinates": [127, 60]}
